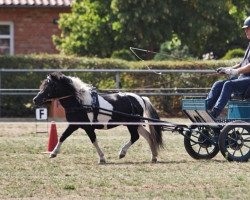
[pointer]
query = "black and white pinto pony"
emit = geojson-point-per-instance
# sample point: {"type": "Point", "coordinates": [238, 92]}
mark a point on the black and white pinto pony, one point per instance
{"type": "Point", "coordinates": [76, 97]}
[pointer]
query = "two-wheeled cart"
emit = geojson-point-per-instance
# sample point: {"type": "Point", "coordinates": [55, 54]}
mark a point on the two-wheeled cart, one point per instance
{"type": "Point", "coordinates": [205, 137]}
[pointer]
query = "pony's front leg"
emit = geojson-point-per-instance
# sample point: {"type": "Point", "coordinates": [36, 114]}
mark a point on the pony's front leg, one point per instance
{"type": "Point", "coordinates": [92, 136]}
{"type": "Point", "coordinates": [56, 150]}
{"type": "Point", "coordinates": [69, 130]}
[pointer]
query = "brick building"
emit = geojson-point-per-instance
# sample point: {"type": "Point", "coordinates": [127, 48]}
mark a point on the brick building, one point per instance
{"type": "Point", "coordinates": [27, 26]}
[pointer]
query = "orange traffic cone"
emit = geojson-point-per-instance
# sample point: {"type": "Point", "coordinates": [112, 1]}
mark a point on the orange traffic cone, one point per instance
{"type": "Point", "coordinates": [53, 139]}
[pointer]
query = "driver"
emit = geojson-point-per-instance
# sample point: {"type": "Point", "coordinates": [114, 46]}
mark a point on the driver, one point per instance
{"type": "Point", "coordinates": [221, 90]}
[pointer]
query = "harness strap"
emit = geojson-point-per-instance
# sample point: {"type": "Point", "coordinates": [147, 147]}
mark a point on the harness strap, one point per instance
{"type": "Point", "coordinates": [133, 107]}
{"type": "Point", "coordinates": [95, 104]}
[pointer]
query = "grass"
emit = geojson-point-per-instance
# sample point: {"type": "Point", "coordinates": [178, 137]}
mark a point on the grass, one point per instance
{"type": "Point", "coordinates": [75, 173]}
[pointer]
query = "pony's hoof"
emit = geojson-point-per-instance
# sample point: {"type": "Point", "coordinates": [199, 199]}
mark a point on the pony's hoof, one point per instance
{"type": "Point", "coordinates": [101, 162]}
{"type": "Point", "coordinates": [52, 155]}
{"type": "Point", "coordinates": [121, 156]}
{"type": "Point", "coordinates": [154, 160]}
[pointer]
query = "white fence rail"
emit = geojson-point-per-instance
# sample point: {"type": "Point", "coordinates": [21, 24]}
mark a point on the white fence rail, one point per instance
{"type": "Point", "coordinates": [116, 72]}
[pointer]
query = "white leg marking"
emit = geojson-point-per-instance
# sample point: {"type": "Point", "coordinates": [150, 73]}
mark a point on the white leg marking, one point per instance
{"type": "Point", "coordinates": [56, 150]}
{"type": "Point", "coordinates": [100, 153]}
{"type": "Point", "coordinates": [124, 149]}
{"type": "Point", "coordinates": [144, 133]}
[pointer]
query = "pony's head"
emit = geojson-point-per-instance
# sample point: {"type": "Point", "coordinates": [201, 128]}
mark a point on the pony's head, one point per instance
{"type": "Point", "coordinates": [56, 85]}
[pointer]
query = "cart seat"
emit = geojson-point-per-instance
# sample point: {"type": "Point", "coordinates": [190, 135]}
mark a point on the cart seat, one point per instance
{"type": "Point", "coordinates": [195, 110]}
{"type": "Point", "coordinates": [241, 96]}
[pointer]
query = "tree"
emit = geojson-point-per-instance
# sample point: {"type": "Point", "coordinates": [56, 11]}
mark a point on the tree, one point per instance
{"type": "Point", "coordinates": [143, 23]}
{"type": "Point", "coordinates": [206, 26]}
{"type": "Point", "coordinates": [98, 28]}
{"type": "Point", "coordinates": [101, 27]}
{"type": "Point", "coordinates": [87, 29]}
{"type": "Point", "coordinates": [203, 26]}
{"type": "Point", "coordinates": [173, 50]}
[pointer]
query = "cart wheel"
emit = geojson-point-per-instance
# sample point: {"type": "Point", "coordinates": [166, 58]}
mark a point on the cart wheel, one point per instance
{"type": "Point", "coordinates": [234, 141]}
{"type": "Point", "coordinates": [202, 143]}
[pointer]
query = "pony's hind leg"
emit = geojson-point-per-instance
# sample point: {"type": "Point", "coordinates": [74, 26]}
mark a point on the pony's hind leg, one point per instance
{"type": "Point", "coordinates": [143, 132]}
{"type": "Point", "coordinates": [100, 153]}
{"type": "Point", "coordinates": [134, 137]}
{"type": "Point", "coordinates": [124, 149]}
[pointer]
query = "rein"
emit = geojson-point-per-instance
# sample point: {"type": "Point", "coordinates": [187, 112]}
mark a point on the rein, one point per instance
{"type": "Point", "coordinates": [104, 111]}
{"type": "Point", "coordinates": [92, 108]}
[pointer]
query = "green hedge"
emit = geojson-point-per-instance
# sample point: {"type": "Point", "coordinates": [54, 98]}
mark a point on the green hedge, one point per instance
{"type": "Point", "coordinates": [21, 106]}
{"type": "Point", "coordinates": [234, 53]}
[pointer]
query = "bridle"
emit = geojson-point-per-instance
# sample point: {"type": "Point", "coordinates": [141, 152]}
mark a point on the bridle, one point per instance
{"type": "Point", "coordinates": [58, 98]}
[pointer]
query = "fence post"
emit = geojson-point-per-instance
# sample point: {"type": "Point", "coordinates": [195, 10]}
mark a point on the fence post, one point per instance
{"type": "Point", "coordinates": [0, 93]}
{"type": "Point", "coordinates": [117, 80]}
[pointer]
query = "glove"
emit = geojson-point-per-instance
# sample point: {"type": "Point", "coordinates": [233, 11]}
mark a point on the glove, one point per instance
{"type": "Point", "coordinates": [231, 72]}
{"type": "Point", "coordinates": [222, 70]}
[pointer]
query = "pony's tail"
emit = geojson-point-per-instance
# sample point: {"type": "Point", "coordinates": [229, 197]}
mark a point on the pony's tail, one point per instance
{"type": "Point", "coordinates": [155, 130]}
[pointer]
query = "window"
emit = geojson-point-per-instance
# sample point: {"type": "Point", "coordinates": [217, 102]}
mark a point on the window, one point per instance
{"type": "Point", "coordinates": [6, 38]}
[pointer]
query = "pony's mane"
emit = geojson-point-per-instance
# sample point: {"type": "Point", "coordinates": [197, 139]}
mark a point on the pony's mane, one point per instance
{"type": "Point", "coordinates": [43, 84]}
{"type": "Point", "coordinates": [79, 85]}
{"type": "Point", "coordinates": [83, 90]}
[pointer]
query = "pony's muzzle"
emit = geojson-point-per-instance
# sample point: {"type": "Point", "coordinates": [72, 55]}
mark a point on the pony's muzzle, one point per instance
{"type": "Point", "coordinates": [37, 101]}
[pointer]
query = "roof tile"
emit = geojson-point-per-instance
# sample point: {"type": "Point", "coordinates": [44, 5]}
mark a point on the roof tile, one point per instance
{"type": "Point", "coordinates": [49, 3]}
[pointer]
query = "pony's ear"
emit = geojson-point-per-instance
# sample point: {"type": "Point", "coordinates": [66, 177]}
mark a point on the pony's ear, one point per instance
{"type": "Point", "coordinates": [60, 77]}
{"type": "Point", "coordinates": [66, 79]}
{"type": "Point", "coordinates": [55, 75]}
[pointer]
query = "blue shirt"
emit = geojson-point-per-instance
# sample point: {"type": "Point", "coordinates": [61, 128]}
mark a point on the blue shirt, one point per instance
{"type": "Point", "coordinates": [245, 61]}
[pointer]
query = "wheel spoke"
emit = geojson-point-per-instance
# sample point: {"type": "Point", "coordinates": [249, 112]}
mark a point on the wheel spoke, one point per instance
{"type": "Point", "coordinates": [195, 143]}
{"type": "Point", "coordinates": [231, 138]}
{"type": "Point", "coordinates": [247, 139]}
{"type": "Point", "coordinates": [245, 133]}
{"type": "Point", "coordinates": [241, 152]}
{"type": "Point", "coordinates": [234, 152]}
{"type": "Point", "coordinates": [207, 151]}
{"type": "Point", "coordinates": [246, 146]}
{"type": "Point", "coordinates": [198, 142]}
{"type": "Point", "coordinates": [231, 142]}
{"type": "Point", "coordinates": [199, 150]}
{"type": "Point", "coordinates": [195, 136]}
